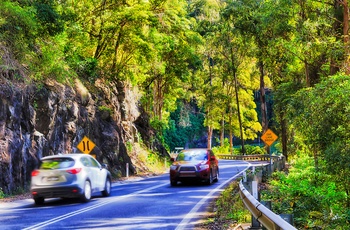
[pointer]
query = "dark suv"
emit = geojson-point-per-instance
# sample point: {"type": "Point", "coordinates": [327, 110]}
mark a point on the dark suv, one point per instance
{"type": "Point", "coordinates": [194, 164]}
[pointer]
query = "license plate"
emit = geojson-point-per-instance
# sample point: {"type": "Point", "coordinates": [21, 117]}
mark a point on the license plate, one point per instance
{"type": "Point", "coordinates": [187, 174]}
{"type": "Point", "coordinates": [53, 178]}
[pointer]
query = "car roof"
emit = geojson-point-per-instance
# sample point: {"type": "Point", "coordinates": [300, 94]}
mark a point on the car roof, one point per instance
{"type": "Point", "coordinates": [73, 155]}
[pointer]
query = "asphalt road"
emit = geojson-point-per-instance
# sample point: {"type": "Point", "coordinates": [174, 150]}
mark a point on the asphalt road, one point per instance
{"type": "Point", "coordinates": [143, 203]}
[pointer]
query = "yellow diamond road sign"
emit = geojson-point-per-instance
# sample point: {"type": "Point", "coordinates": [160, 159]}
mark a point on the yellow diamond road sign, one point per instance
{"type": "Point", "coordinates": [86, 145]}
{"type": "Point", "coordinates": [269, 137]}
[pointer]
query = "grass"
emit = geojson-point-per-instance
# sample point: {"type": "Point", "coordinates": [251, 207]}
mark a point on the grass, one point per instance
{"type": "Point", "coordinates": [229, 210]}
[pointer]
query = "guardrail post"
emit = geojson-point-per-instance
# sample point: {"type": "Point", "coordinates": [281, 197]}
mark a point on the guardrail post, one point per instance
{"type": "Point", "coordinates": [255, 193]}
{"type": "Point", "coordinates": [127, 170]}
{"type": "Point", "coordinates": [288, 218]}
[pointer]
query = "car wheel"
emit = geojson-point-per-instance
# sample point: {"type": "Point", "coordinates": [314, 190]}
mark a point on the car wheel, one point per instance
{"type": "Point", "coordinates": [173, 182]}
{"type": "Point", "coordinates": [217, 176]}
{"type": "Point", "coordinates": [107, 190]}
{"type": "Point", "coordinates": [86, 196]}
{"type": "Point", "coordinates": [39, 200]}
{"type": "Point", "coordinates": [210, 180]}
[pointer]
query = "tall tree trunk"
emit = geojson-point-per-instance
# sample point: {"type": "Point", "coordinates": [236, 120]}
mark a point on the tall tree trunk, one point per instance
{"type": "Point", "coordinates": [210, 136]}
{"type": "Point", "coordinates": [237, 102]}
{"type": "Point", "coordinates": [239, 113]}
{"type": "Point", "coordinates": [284, 134]}
{"type": "Point", "coordinates": [230, 127]}
{"type": "Point", "coordinates": [210, 128]}
{"type": "Point", "coordinates": [231, 142]}
{"type": "Point", "coordinates": [337, 27]}
{"type": "Point", "coordinates": [158, 97]}
{"type": "Point", "coordinates": [222, 134]}
{"type": "Point", "coordinates": [346, 36]}
{"type": "Point", "coordinates": [264, 122]}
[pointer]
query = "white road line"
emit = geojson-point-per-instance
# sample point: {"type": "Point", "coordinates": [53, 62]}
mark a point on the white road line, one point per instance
{"type": "Point", "coordinates": [108, 201]}
{"type": "Point", "coordinates": [186, 220]}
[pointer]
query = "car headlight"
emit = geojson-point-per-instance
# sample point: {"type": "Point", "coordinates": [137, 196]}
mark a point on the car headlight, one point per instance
{"type": "Point", "coordinates": [205, 166]}
{"type": "Point", "coordinates": [173, 167]}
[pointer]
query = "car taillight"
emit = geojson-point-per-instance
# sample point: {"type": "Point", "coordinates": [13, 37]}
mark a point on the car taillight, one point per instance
{"type": "Point", "coordinates": [73, 171]}
{"type": "Point", "coordinates": [35, 173]}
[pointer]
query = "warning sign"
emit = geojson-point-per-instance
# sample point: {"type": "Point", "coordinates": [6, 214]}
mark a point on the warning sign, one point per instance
{"type": "Point", "coordinates": [269, 137]}
{"type": "Point", "coordinates": [86, 145]}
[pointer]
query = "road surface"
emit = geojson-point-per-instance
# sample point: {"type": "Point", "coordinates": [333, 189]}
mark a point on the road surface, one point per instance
{"type": "Point", "coordinates": [143, 203]}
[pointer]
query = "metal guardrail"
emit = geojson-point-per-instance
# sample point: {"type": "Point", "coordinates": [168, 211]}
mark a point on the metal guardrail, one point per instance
{"type": "Point", "coordinates": [278, 162]}
{"type": "Point", "coordinates": [264, 215]}
{"type": "Point", "coordinates": [245, 157]}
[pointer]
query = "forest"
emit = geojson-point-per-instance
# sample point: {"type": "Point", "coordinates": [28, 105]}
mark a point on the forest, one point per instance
{"type": "Point", "coordinates": [198, 66]}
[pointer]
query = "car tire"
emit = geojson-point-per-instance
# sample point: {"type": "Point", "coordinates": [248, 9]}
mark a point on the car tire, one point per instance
{"type": "Point", "coordinates": [39, 200]}
{"type": "Point", "coordinates": [87, 191]}
{"type": "Point", "coordinates": [173, 182]}
{"type": "Point", "coordinates": [217, 176]}
{"type": "Point", "coordinates": [107, 190]}
{"type": "Point", "coordinates": [210, 180]}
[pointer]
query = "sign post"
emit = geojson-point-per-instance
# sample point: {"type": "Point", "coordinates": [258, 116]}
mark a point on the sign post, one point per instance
{"type": "Point", "coordinates": [269, 138]}
{"type": "Point", "coordinates": [86, 145]}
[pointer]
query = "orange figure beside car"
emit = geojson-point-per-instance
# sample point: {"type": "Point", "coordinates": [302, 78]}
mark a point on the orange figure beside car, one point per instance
{"type": "Point", "coordinates": [194, 164]}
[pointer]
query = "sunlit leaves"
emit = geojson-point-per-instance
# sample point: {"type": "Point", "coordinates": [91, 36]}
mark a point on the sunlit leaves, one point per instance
{"type": "Point", "coordinates": [18, 28]}
{"type": "Point", "coordinates": [306, 192]}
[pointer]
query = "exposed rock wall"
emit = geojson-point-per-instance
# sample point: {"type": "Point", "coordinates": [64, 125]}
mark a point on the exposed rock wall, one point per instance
{"type": "Point", "coordinates": [37, 121]}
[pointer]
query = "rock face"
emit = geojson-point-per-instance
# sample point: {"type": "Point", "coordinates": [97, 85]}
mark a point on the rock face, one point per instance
{"type": "Point", "coordinates": [52, 118]}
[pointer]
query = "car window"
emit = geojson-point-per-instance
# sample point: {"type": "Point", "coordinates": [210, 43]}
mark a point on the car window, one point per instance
{"type": "Point", "coordinates": [85, 161]}
{"type": "Point", "coordinates": [94, 163]}
{"type": "Point", "coordinates": [189, 155]}
{"type": "Point", "coordinates": [57, 163]}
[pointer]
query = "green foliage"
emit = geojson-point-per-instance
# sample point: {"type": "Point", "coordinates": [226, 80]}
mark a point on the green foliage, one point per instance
{"type": "Point", "coordinates": [2, 194]}
{"type": "Point", "coordinates": [237, 150]}
{"type": "Point", "coordinates": [320, 116]}
{"type": "Point", "coordinates": [312, 197]}
{"type": "Point", "coordinates": [49, 19]}
{"type": "Point", "coordinates": [103, 108]}
{"type": "Point", "coordinates": [222, 149]}
{"type": "Point", "coordinates": [195, 64]}
{"type": "Point", "coordinates": [230, 205]}
{"type": "Point", "coordinates": [255, 150]}
{"type": "Point", "coordinates": [129, 146]}
{"type": "Point", "coordinates": [185, 126]}
{"type": "Point", "coordinates": [18, 29]}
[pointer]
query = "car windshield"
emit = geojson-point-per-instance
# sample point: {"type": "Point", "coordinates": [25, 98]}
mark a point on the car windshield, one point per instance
{"type": "Point", "coordinates": [57, 163]}
{"type": "Point", "coordinates": [192, 155]}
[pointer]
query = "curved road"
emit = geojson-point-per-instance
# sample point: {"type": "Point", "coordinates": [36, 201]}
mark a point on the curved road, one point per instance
{"type": "Point", "coordinates": [149, 203]}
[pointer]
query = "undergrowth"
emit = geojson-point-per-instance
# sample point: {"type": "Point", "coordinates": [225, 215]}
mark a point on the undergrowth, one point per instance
{"type": "Point", "coordinates": [230, 205]}
{"type": "Point", "coordinates": [230, 210]}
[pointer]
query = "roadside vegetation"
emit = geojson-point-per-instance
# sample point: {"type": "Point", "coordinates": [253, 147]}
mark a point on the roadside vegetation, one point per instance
{"type": "Point", "coordinates": [209, 73]}
{"type": "Point", "coordinates": [228, 211]}
{"type": "Point", "coordinates": [312, 197]}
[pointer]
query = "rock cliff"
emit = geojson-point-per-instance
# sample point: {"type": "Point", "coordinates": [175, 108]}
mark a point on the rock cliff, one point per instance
{"type": "Point", "coordinates": [37, 120]}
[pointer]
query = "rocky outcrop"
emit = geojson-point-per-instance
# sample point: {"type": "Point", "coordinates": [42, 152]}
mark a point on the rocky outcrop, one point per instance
{"type": "Point", "coordinates": [47, 119]}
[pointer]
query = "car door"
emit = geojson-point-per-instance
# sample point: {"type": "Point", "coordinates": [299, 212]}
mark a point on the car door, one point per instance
{"type": "Point", "coordinates": [98, 177]}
